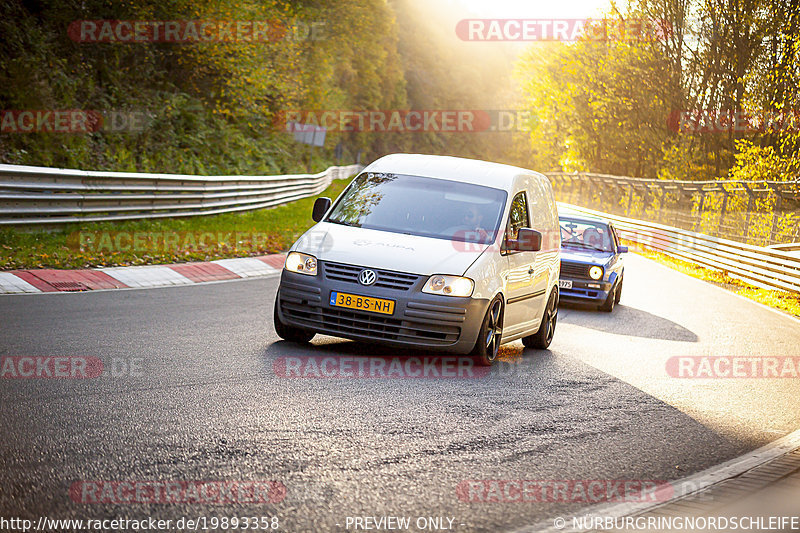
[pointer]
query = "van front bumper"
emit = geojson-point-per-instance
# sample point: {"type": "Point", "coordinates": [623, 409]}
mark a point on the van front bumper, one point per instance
{"type": "Point", "coordinates": [420, 320]}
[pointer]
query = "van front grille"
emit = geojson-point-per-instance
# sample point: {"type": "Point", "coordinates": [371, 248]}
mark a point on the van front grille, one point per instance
{"type": "Point", "coordinates": [387, 279]}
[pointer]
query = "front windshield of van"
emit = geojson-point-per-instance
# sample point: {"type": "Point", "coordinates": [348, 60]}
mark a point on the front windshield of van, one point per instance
{"type": "Point", "coordinates": [427, 207]}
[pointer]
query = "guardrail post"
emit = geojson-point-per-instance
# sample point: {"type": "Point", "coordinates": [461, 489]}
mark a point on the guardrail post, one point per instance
{"type": "Point", "coordinates": [620, 195]}
{"type": "Point", "coordinates": [776, 215]}
{"type": "Point", "coordinates": [564, 187]}
{"type": "Point", "coordinates": [582, 192]}
{"type": "Point", "coordinates": [660, 195]}
{"type": "Point", "coordinates": [593, 188]}
{"type": "Point", "coordinates": [796, 237]}
{"type": "Point", "coordinates": [680, 199]}
{"type": "Point", "coordinates": [645, 200]}
{"type": "Point", "coordinates": [722, 211]}
{"type": "Point", "coordinates": [750, 201]}
{"type": "Point", "coordinates": [699, 220]}
{"type": "Point", "coordinates": [630, 195]}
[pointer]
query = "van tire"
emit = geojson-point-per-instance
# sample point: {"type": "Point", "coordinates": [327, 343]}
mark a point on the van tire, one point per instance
{"type": "Point", "coordinates": [289, 333]}
{"type": "Point", "coordinates": [487, 345]}
{"type": "Point", "coordinates": [544, 336]}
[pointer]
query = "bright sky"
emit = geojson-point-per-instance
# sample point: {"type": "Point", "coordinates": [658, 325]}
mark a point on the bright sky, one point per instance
{"type": "Point", "coordinates": [539, 9]}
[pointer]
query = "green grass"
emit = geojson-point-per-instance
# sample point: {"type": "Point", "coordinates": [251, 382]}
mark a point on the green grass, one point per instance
{"type": "Point", "coordinates": [171, 240]}
{"type": "Point", "coordinates": [784, 301]}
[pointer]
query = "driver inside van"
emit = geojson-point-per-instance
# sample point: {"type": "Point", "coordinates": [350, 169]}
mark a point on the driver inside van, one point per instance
{"type": "Point", "coordinates": [473, 219]}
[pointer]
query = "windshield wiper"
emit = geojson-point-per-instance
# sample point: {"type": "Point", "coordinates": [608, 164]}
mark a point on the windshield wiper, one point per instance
{"type": "Point", "coordinates": [343, 223]}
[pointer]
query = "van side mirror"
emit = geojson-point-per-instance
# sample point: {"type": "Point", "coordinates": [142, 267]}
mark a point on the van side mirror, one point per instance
{"type": "Point", "coordinates": [622, 249]}
{"type": "Point", "coordinates": [321, 206]}
{"type": "Point", "coordinates": [528, 240]}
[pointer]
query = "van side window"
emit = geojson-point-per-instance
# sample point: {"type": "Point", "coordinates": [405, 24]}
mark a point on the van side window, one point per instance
{"type": "Point", "coordinates": [517, 217]}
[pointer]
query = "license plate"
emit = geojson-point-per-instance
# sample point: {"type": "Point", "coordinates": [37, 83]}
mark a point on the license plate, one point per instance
{"type": "Point", "coordinates": [362, 303]}
{"type": "Point", "coordinates": [565, 283]}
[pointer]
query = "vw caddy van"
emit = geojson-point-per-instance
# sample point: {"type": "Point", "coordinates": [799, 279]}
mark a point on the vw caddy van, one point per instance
{"type": "Point", "coordinates": [431, 252]}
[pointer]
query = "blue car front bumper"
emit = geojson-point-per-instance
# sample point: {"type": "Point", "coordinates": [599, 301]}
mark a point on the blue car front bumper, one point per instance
{"type": "Point", "coordinates": [586, 291]}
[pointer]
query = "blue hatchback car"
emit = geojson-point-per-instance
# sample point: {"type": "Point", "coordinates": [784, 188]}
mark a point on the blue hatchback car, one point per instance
{"type": "Point", "coordinates": [591, 261]}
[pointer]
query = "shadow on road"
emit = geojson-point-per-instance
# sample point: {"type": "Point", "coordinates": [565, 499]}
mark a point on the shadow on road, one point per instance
{"type": "Point", "coordinates": [323, 345]}
{"type": "Point", "coordinates": [625, 320]}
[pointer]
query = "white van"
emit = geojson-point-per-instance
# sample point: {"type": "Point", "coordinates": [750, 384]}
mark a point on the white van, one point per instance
{"type": "Point", "coordinates": [431, 252]}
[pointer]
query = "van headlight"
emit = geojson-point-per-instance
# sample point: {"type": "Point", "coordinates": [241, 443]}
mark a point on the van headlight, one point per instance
{"type": "Point", "coordinates": [449, 285]}
{"type": "Point", "coordinates": [301, 263]}
{"type": "Point", "coordinates": [596, 272]}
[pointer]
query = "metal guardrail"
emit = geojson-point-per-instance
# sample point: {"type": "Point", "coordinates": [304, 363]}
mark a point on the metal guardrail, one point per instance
{"type": "Point", "coordinates": [754, 212]}
{"type": "Point", "coordinates": [763, 267]}
{"type": "Point", "coordinates": [39, 195]}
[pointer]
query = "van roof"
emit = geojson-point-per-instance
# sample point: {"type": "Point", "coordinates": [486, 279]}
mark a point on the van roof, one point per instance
{"type": "Point", "coordinates": [474, 171]}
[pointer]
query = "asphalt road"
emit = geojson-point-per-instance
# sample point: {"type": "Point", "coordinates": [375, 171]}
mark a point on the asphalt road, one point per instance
{"type": "Point", "coordinates": [205, 402]}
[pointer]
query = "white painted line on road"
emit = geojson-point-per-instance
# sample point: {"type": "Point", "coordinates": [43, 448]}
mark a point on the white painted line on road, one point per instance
{"type": "Point", "coordinates": [246, 267]}
{"type": "Point", "coordinates": [11, 284]}
{"type": "Point", "coordinates": [682, 487]}
{"type": "Point", "coordinates": [147, 276]}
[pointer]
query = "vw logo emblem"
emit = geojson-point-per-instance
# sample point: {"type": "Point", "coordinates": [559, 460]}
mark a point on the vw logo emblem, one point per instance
{"type": "Point", "coordinates": [367, 277]}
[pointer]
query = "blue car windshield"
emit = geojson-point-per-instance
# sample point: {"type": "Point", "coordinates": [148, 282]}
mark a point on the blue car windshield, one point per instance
{"type": "Point", "coordinates": [428, 207]}
{"type": "Point", "coordinates": [585, 235]}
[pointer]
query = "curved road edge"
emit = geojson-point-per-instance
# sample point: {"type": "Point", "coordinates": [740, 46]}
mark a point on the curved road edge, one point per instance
{"type": "Point", "coordinates": [38, 281]}
{"type": "Point", "coordinates": [752, 473]}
